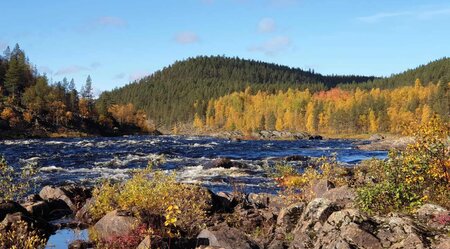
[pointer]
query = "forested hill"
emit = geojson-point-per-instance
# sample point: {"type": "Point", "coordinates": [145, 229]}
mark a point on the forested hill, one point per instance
{"type": "Point", "coordinates": [433, 72]}
{"type": "Point", "coordinates": [168, 96]}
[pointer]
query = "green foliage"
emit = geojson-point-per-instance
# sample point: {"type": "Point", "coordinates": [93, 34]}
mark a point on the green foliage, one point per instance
{"type": "Point", "coordinates": [154, 192]}
{"type": "Point", "coordinates": [15, 184]}
{"type": "Point", "coordinates": [411, 177]}
{"type": "Point", "coordinates": [168, 96]}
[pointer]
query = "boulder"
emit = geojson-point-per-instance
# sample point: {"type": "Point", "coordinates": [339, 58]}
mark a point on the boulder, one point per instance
{"type": "Point", "coordinates": [376, 137]}
{"type": "Point", "coordinates": [39, 225]}
{"type": "Point", "coordinates": [223, 163]}
{"type": "Point", "coordinates": [73, 196]}
{"type": "Point", "coordinates": [115, 223]}
{"type": "Point", "coordinates": [10, 207]}
{"type": "Point", "coordinates": [48, 210]}
{"type": "Point", "coordinates": [226, 237]}
{"type": "Point", "coordinates": [286, 221]}
{"type": "Point", "coordinates": [342, 196]}
{"type": "Point", "coordinates": [146, 243]}
{"type": "Point", "coordinates": [296, 158]}
{"type": "Point", "coordinates": [320, 187]}
{"type": "Point", "coordinates": [81, 244]}
{"type": "Point", "coordinates": [360, 238]}
{"type": "Point", "coordinates": [83, 215]}
{"type": "Point", "coordinates": [429, 214]}
{"type": "Point", "coordinates": [310, 223]}
{"type": "Point", "coordinates": [398, 232]}
{"type": "Point", "coordinates": [223, 202]}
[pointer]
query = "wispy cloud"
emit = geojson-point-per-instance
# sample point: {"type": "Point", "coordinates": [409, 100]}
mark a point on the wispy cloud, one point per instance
{"type": "Point", "coordinates": [433, 13]}
{"type": "Point", "coordinates": [71, 70]}
{"type": "Point", "coordinates": [111, 21]}
{"type": "Point", "coordinates": [119, 76]}
{"type": "Point", "coordinates": [273, 46]}
{"type": "Point", "coordinates": [283, 3]}
{"type": "Point", "coordinates": [103, 22]}
{"type": "Point", "coordinates": [266, 25]}
{"type": "Point", "coordinates": [137, 75]}
{"type": "Point", "coordinates": [424, 14]}
{"type": "Point", "coordinates": [45, 69]}
{"type": "Point", "coordinates": [95, 65]}
{"type": "Point", "coordinates": [3, 45]}
{"type": "Point", "coordinates": [186, 37]}
{"type": "Point", "coordinates": [384, 15]}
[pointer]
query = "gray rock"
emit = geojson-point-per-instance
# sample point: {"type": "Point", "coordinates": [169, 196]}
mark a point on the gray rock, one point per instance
{"type": "Point", "coordinates": [358, 237]}
{"type": "Point", "coordinates": [115, 223]}
{"type": "Point", "coordinates": [227, 237]}
{"type": "Point", "coordinates": [342, 196]}
{"type": "Point", "coordinates": [145, 244]}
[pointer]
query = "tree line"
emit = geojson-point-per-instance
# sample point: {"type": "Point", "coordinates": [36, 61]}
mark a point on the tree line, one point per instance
{"type": "Point", "coordinates": [28, 99]}
{"type": "Point", "coordinates": [332, 111]}
{"type": "Point", "coordinates": [168, 95]}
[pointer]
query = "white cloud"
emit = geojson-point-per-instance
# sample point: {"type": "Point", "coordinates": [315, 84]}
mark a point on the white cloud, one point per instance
{"type": "Point", "coordinates": [186, 37]}
{"type": "Point", "coordinates": [434, 13]}
{"type": "Point", "coordinates": [273, 46]}
{"type": "Point", "coordinates": [266, 25]}
{"type": "Point", "coordinates": [71, 70]}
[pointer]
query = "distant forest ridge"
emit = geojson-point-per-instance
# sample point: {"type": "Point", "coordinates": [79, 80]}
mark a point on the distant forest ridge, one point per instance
{"type": "Point", "coordinates": [177, 92]}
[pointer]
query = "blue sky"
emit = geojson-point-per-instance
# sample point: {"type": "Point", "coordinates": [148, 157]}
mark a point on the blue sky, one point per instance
{"type": "Point", "coordinates": [119, 41]}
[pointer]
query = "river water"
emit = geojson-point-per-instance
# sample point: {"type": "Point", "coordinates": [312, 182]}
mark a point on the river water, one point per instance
{"type": "Point", "coordinates": [88, 160]}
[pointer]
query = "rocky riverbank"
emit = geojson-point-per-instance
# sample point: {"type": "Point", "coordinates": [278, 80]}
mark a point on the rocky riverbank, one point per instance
{"type": "Point", "coordinates": [235, 220]}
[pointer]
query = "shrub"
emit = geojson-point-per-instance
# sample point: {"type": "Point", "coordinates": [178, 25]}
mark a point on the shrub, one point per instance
{"type": "Point", "coordinates": [19, 236]}
{"type": "Point", "coordinates": [299, 185]}
{"type": "Point", "coordinates": [153, 193]}
{"type": "Point", "coordinates": [15, 184]}
{"type": "Point", "coordinates": [105, 196]}
{"type": "Point", "coordinates": [419, 173]}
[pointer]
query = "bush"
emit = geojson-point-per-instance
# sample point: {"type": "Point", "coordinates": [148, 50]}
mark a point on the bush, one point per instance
{"type": "Point", "coordinates": [13, 184]}
{"type": "Point", "coordinates": [19, 236]}
{"type": "Point", "coordinates": [408, 178]}
{"type": "Point", "coordinates": [298, 185]}
{"type": "Point", "coordinates": [153, 193]}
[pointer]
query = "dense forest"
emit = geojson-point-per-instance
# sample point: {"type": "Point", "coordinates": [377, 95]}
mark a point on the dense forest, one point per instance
{"type": "Point", "coordinates": [175, 93]}
{"type": "Point", "coordinates": [330, 112]}
{"type": "Point", "coordinates": [32, 106]}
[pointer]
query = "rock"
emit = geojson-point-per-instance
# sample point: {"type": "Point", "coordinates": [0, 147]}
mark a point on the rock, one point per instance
{"type": "Point", "coordinates": [360, 238]}
{"type": "Point", "coordinates": [320, 187]}
{"type": "Point", "coordinates": [83, 215]}
{"type": "Point", "coordinates": [10, 207]}
{"type": "Point", "coordinates": [223, 163]}
{"type": "Point", "coordinates": [399, 231]}
{"type": "Point", "coordinates": [315, 137]}
{"type": "Point", "coordinates": [387, 144]}
{"type": "Point", "coordinates": [296, 158]}
{"type": "Point", "coordinates": [48, 210]}
{"type": "Point", "coordinates": [40, 225]}
{"type": "Point", "coordinates": [73, 196]}
{"type": "Point", "coordinates": [443, 243]}
{"type": "Point", "coordinates": [286, 221]}
{"type": "Point", "coordinates": [115, 223]}
{"type": "Point", "coordinates": [311, 221]}
{"type": "Point", "coordinates": [376, 137]}
{"type": "Point", "coordinates": [226, 237]}
{"type": "Point", "coordinates": [81, 244]}
{"type": "Point", "coordinates": [342, 196]}
{"type": "Point", "coordinates": [145, 243]}
{"type": "Point", "coordinates": [223, 202]}
{"type": "Point", "coordinates": [259, 200]}
{"type": "Point", "coordinates": [429, 215]}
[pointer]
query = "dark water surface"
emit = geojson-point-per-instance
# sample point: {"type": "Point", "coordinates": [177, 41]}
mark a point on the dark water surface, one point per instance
{"type": "Point", "coordinates": [87, 160]}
